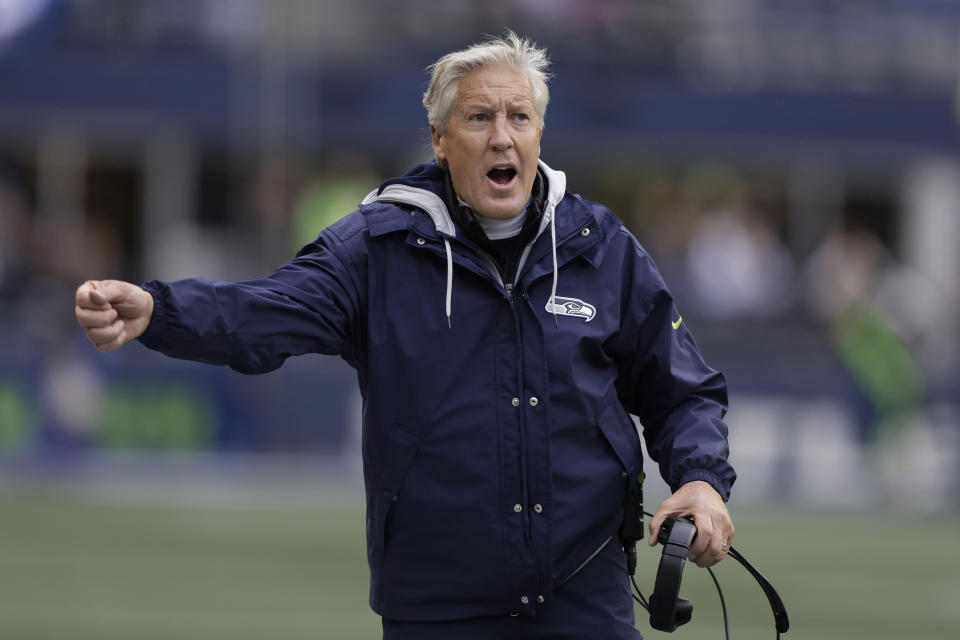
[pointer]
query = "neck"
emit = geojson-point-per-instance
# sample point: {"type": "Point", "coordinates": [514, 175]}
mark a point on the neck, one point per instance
{"type": "Point", "coordinates": [501, 229]}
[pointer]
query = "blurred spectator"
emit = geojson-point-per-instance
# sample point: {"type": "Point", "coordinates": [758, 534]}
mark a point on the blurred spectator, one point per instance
{"type": "Point", "coordinates": [330, 196]}
{"type": "Point", "coordinates": [842, 280]}
{"type": "Point", "coordinates": [736, 264]}
{"type": "Point", "coordinates": [664, 220]}
{"type": "Point", "coordinates": [842, 271]}
{"type": "Point", "coordinates": [922, 313]}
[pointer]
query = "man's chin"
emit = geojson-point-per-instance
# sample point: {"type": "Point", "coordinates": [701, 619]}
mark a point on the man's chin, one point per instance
{"type": "Point", "coordinates": [501, 209]}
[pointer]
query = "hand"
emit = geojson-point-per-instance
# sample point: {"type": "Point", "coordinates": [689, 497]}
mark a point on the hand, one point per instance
{"type": "Point", "coordinates": [112, 312]}
{"type": "Point", "coordinates": [700, 501]}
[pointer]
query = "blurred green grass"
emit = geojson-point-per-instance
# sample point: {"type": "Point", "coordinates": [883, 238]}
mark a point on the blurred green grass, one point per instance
{"type": "Point", "coordinates": [77, 568]}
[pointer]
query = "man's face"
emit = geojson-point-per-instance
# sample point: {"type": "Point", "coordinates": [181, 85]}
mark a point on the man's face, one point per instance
{"type": "Point", "coordinates": [491, 141]}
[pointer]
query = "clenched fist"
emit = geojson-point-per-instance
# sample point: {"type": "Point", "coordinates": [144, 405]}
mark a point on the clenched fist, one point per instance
{"type": "Point", "coordinates": [112, 312]}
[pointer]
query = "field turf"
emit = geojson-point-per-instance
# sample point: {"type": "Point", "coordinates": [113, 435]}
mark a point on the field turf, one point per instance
{"type": "Point", "coordinates": [81, 568]}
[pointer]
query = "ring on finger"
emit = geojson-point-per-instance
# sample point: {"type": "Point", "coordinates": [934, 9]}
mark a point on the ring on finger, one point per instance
{"type": "Point", "coordinates": [724, 547]}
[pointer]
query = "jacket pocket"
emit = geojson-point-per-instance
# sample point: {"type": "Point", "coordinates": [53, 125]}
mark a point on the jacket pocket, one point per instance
{"type": "Point", "coordinates": [400, 448]}
{"type": "Point", "coordinates": [620, 433]}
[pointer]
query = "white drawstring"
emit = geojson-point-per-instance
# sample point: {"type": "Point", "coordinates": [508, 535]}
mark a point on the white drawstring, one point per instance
{"type": "Point", "coordinates": [553, 248]}
{"type": "Point", "coordinates": [446, 244]}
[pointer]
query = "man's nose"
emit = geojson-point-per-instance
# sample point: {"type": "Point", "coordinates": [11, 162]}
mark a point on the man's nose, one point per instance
{"type": "Point", "coordinates": [500, 139]}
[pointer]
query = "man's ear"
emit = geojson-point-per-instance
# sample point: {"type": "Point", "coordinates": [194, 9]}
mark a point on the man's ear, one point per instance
{"type": "Point", "coordinates": [436, 138]}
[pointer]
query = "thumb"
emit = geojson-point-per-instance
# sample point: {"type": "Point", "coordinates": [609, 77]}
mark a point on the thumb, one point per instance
{"type": "Point", "coordinates": [109, 291]}
{"type": "Point", "coordinates": [97, 297]}
{"type": "Point", "coordinates": [655, 523]}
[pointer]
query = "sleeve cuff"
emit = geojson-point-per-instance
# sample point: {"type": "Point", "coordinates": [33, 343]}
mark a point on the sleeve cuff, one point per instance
{"type": "Point", "coordinates": [712, 479]}
{"type": "Point", "coordinates": [148, 337]}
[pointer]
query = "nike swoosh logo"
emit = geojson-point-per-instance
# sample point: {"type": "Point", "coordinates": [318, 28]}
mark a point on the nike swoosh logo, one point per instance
{"type": "Point", "coordinates": [676, 323]}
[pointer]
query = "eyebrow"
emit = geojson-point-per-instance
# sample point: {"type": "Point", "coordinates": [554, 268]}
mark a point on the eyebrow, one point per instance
{"type": "Point", "coordinates": [473, 104]}
{"type": "Point", "coordinates": [487, 105]}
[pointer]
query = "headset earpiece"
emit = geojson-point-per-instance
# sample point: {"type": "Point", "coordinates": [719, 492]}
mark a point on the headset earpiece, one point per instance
{"type": "Point", "coordinates": [683, 612]}
{"type": "Point", "coordinates": [667, 609]}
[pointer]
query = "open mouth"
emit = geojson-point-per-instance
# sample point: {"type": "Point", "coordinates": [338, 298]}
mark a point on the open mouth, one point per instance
{"type": "Point", "coordinates": [502, 175]}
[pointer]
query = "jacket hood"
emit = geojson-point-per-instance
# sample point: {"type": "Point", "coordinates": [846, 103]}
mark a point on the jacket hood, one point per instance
{"type": "Point", "coordinates": [421, 187]}
{"type": "Point", "coordinates": [427, 176]}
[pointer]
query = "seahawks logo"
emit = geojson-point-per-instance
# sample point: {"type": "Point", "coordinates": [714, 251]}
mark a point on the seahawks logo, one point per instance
{"type": "Point", "coordinates": [571, 307]}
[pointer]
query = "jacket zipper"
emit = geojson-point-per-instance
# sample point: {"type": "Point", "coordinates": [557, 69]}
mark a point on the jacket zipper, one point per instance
{"type": "Point", "coordinates": [508, 289]}
{"type": "Point", "coordinates": [524, 487]}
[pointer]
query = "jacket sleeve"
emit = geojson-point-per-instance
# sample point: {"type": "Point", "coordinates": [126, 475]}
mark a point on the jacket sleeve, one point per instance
{"type": "Point", "coordinates": [309, 305]}
{"type": "Point", "coordinates": [664, 381]}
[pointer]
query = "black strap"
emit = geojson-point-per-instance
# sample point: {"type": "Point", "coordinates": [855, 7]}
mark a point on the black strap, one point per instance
{"type": "Point", "coordinates": [780, 619]}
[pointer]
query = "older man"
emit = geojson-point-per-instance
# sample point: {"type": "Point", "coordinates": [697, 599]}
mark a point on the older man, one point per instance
{"type": "Point", "coordinates": [502, 330]}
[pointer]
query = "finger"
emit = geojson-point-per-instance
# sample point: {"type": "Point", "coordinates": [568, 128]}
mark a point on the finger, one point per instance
{"type": "Point", "coordinates": [719, 544]}
{"type": "Point", "coordinates": [655, 523]}
{"type": "Point", "coordinates": [105, 335]}
{"type": "Point", "coordinates": [93, 318]}
{"type": "Point", "coordinates": [705, 535]}
{"type": "Point", "coordinates": [104, 292]}
{"type": "Point", "coordinates": [89, 298]}
{"type": "Point", "coordinates": [113, 344]}
{"type": "Point", "coordinates": [711, 555]}
{"type": "Point", "coordinates": [109, 291]}
{"type": "Point", "coordinates": [97, 297]}
{"type": "Point", "coordinates": [725, 538]}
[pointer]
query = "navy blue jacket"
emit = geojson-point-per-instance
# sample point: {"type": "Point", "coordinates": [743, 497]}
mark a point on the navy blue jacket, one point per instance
{"type": "Point", "coordinates": [496, 434]}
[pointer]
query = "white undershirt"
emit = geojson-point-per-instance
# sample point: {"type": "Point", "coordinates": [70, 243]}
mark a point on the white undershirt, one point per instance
{"type": "Point", "coordinates": [500, 229]}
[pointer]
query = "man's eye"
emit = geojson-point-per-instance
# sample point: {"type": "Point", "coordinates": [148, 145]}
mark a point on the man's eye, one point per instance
{"type": "Point", "coordinates": [478, 117]}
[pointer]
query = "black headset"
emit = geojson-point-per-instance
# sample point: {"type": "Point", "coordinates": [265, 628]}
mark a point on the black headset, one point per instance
{"type": "Point", "coordinates": [667, 609]}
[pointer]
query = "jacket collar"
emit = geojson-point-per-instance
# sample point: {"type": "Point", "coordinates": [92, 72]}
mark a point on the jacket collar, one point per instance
{"type": "Point", "coordinates": [423, 189]}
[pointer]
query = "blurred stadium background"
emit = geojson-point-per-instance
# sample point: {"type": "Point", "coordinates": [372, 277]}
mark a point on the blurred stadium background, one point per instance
{"type": "Point", "coordinates": [792, 165]}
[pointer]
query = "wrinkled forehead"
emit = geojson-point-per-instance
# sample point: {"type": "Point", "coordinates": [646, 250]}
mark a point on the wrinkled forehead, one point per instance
{"type": "Point", "coordinates": [494, 86]}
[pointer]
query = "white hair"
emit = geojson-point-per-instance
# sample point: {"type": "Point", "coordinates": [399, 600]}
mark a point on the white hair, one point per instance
{"type": "Point", "coordinates": [519, 53]}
